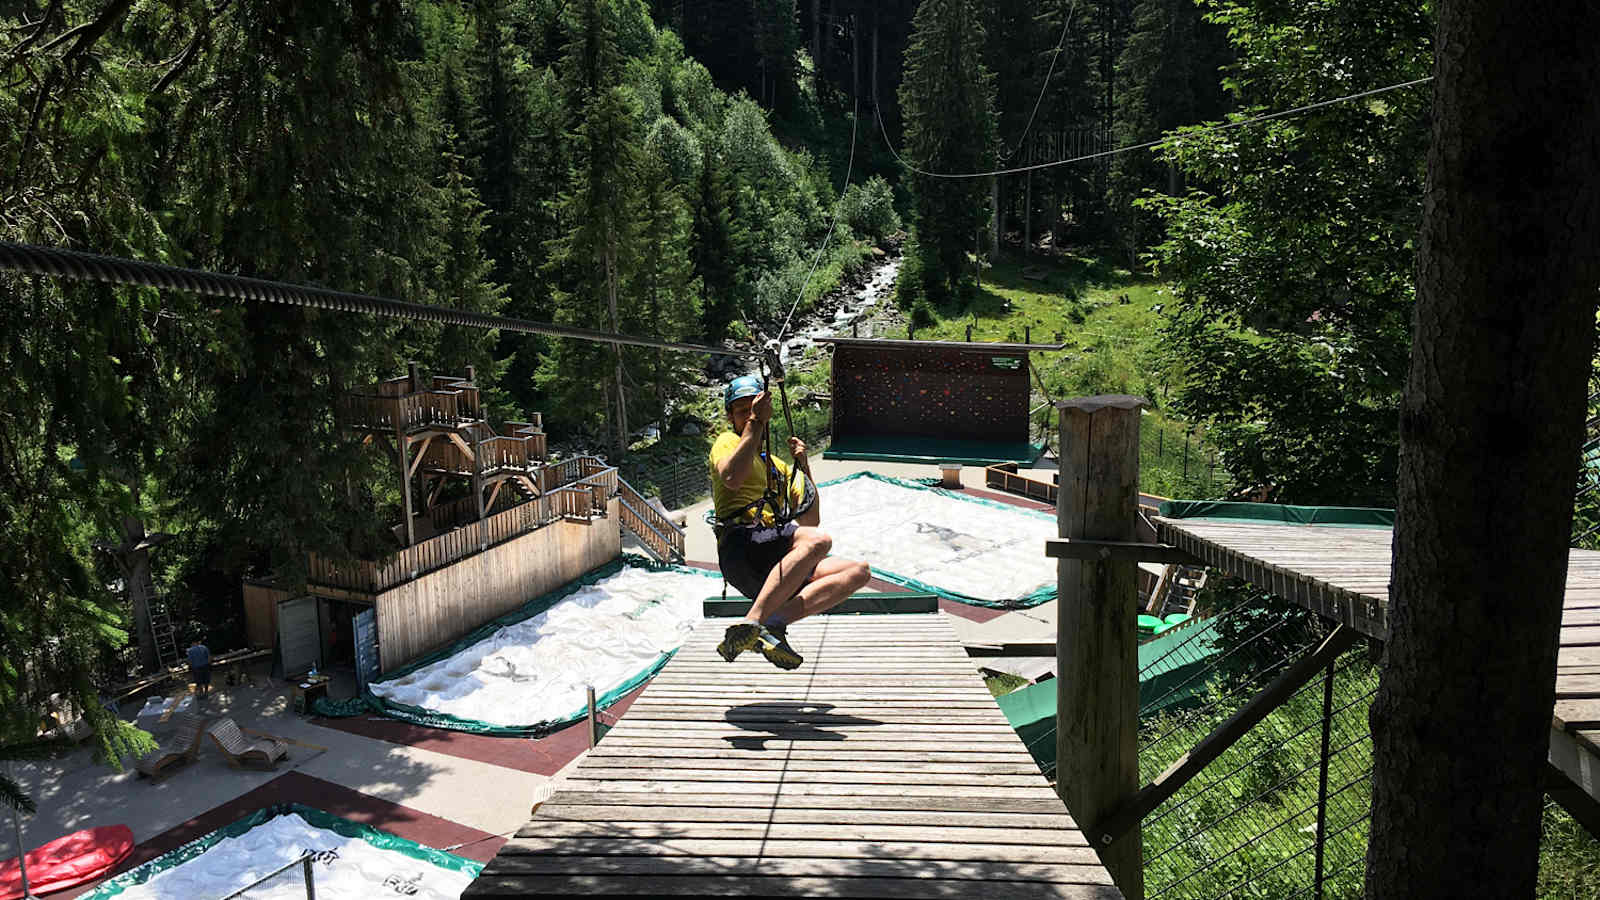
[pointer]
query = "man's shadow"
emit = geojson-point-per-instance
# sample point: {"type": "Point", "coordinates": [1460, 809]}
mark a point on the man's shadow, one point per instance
{"type": "Point", "coordinates": [787, 721]}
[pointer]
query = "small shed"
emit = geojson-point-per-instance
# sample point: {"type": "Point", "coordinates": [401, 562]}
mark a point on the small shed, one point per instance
{"type": "Point", "coordinates": [932, 401]}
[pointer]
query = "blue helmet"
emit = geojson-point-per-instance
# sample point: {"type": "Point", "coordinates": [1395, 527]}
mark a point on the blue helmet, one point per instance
{"type": "Point", "coordinates": [743, 386]}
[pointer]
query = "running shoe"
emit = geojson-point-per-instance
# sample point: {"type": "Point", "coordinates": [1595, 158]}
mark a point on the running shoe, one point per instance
{"type": "Point", "coordinates": [775, 647]}
{"type": "Point", "coordinates": [739, 637]}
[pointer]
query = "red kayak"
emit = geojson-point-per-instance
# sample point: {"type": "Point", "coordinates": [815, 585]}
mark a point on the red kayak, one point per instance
{"type": "Point", "coordinates": [66, 861]}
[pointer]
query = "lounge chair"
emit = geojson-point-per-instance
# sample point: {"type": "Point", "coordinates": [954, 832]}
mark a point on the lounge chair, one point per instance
{"type": "Point", "coordinates": [243, 751]}
{"type": "Point", "coordinates": [181, 746]}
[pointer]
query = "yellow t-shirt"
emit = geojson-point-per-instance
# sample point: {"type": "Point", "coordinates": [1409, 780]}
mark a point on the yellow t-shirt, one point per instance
{"type": "Point", "coordinates": [730, 502]}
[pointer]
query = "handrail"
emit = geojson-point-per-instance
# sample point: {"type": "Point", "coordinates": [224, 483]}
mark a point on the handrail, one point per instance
{"type": "Point", "coordinates": [305, 860]}
{"type": "Point", "coordinates": [670, 535]}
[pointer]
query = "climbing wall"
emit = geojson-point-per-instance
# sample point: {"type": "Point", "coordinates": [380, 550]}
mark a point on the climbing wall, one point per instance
{"type": "Point", "coordinates": [941, 391]}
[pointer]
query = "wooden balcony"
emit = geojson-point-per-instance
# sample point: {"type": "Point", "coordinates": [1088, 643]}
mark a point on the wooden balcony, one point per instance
{"type": "Point", "coordinates": [399, 405]}
{"type": "Point", "coordinates": [585, 498]}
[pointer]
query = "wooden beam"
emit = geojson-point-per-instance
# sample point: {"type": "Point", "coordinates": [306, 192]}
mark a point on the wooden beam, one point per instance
{"type": "Point", "coordinates": [433, 495]}
{"type": "Point", "coordinates": [1097, 655]}
{"type": "Point", "coordinates": [493, 493]}
{"type": "Point", "coordinates": [1126, 551]}
{"type": "Point", "coordinates": [420, 454]}
{"type": "Point", "coordinates": [1131, 813]}
{"type": "Point", "coordinates": [462, 446]}
{"type": "Point", "coordinates": [405, 488]}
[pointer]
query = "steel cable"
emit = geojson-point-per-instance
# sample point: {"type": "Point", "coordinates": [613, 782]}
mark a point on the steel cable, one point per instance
{"type": "Point", "coordinates": [75, 264]}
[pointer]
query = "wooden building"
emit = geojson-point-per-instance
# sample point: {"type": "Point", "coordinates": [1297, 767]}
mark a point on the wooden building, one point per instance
{"type": "Point", "coordinates": [523, 527]}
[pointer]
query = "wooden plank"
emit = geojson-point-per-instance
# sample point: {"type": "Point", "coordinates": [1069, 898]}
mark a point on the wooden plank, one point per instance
{"type": "Point", "coordinates": [1059, 826]}
{"type": "Point", "coordinates": [543, 827]}
{"type": "Point", "coordinates": [734, 761]}
{"type": "Point", "coordinates": [582, 781]}
{"type": "Point", "coordinates": [788, 776]}
{"type": "Point", "coordinates": [612, 794]}
{"type": "Point", "coordinates": [866, 769]}
{"type": "Point", "coordinates": [1126, 551]}
{"type": "Point", "coordinates": [769, 848]}
{"type": "Point", "coordinates": [797, 867]}
{"type": "Point", "coordinates": [492, 884]}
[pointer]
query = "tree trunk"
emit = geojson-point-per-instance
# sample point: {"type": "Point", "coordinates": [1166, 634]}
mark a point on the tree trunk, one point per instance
{"type": "Point", "coordinates": [1490, 430]}
{"type": "Point", "coordinates": [620, 444]}
{"type": "Point", "coordinates": [135, 566]}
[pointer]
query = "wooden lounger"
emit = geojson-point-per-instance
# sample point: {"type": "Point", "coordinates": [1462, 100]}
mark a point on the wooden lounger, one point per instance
{"type": "Point", "coordinates": [180, 747]}
{"type": "Point", "coordinates": [242, 751]}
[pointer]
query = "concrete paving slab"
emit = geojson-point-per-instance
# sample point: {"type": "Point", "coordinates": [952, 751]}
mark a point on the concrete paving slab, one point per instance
{"type": "Point", "coordinates": [74, 792]}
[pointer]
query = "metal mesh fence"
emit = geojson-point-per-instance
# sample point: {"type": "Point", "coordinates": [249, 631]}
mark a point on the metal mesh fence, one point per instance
{"type": "Point", "coordinates": [1283, 811]}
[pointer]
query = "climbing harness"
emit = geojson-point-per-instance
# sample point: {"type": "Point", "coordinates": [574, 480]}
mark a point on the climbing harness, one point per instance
{"type": "Point", "coordinates": [781, 503]}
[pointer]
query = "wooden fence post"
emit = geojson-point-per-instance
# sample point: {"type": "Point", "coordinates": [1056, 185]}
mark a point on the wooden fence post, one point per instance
{"type": "Point", "coordinates": [1097, 686]}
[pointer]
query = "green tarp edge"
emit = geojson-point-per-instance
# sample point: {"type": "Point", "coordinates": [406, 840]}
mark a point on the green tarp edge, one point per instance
{"type": "Point", "coordinates": [367, 701]}
{"type": "Point", "coordinates": [1164, 681]}
{"type": "Point", "coordinates": [1036, 597]}
{"type": "Point", "coordinates": [1347, 516]}
{"type": "Point", "coordinates": [1037, 450]}
{"type": "Point", "coordinates": [383, 840]}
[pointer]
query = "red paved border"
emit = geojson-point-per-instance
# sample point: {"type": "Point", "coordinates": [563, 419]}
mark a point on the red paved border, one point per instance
{"type": "Point", "coordinates": [297, 787]}
{"type": "Point", "coordinates": [541, 756]}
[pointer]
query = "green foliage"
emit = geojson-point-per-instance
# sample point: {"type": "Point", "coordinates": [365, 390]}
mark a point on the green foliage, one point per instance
{"type": "Point", "coordinates": [869, 209]}
{"type": "Point", "coordinates": [947, 96]}
{"type": "Point", "coordinates": [1293, 271]}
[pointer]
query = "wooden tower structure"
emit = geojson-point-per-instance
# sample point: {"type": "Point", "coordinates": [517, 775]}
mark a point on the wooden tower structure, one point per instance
{"type": "Point", "coordinates": [437, 431]}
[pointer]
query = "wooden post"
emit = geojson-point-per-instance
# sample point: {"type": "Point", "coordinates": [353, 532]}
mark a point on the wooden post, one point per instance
{"type": "Point", "coordinates": [405, 483]}
{"type": "Point", "coordinates": [413, 377]}
{"type": "Point", "coordinates": [594, 719]}
{"type": "Point", "coordinates": [1097, 684]}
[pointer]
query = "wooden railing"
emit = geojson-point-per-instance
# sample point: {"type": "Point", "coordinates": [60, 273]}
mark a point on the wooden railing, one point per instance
{"type": "Point", "coordinates": [1004, 476]}
{"type": "Point", "coordinates": [659, 534]}
{"type": "Point", "coordinates": [405, 412]}
{"type": "Point", "coordinates": [585, 499]}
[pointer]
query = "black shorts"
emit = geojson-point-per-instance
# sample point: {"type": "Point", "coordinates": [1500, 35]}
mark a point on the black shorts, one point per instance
{"type": "Point", "coordinates": [201, 674]}
{"type": "Point", "coordinates": [746, 559]}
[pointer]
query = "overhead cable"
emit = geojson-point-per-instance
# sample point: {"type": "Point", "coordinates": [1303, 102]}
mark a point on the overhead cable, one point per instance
{"type": "Point", "coordinates": [75, 264]}
{"type": "Point", "coordinates": [1174, 138]}
{"type": "Point", "coordinates": [1060, 44]}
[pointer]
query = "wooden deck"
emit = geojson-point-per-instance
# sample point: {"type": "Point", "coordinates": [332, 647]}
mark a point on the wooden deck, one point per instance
{"type": "Point", "coordinates": [881, 768]}
{"type": "Point", "coordinates": [1343, 573]}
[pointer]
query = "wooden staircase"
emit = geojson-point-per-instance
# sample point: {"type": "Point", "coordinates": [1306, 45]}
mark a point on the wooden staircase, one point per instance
{"type": "Point", "coordinates": [661, 537]}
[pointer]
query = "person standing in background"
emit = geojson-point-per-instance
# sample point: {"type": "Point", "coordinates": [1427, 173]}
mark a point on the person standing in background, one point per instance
{"type": "Point", "coordinates": [200, 668]}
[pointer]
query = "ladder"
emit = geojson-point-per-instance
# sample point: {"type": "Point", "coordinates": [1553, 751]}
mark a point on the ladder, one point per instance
{"type": "Point", "coordinates": [165, 635]}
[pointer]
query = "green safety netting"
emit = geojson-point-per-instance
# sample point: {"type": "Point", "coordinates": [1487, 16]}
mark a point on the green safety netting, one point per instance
{"type": "Point", "coordinates": [916, 449]}
{"type": "Point", "coordinates": [1040, 595]}
{"type": "Point", "coordinates": [383, 840]}
{"type": "Point", "coordinates": [1353, 516]}
{"type": "Point", "coordinates": [367, 701]}
{"type": "Point", "coordinates": [1171, 673]}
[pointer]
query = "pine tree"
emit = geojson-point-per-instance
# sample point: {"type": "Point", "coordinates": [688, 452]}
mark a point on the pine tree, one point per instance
{"type": "Point", "coordinates": [596, 254]}
{"type": "Point", "coordinates": [947, 100]}
{"type": "Point", "coordinates": [719, 244]}
{"type": "Point", "coordinates": [665, 288]}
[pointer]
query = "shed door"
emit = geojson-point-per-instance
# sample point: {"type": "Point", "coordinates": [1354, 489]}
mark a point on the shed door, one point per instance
{"type": "Point", "coordinates": [366, 633]}
{"type": "Point", "coordinates": [298, 641]}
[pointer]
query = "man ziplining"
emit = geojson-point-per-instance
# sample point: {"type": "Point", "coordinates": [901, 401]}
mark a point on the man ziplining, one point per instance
{"type": "Point", "coordinates": [768, 544]}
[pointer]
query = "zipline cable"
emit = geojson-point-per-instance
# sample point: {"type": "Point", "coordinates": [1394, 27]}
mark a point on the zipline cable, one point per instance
{"type": "Point", "coordinates": [1175, 138]}
{"type": "Point", "coordinates": [1061, 44]}
{"type": "Point", "coordinates": [77, 265]}
{"type": "Point", "coordinates": [850, 167]}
